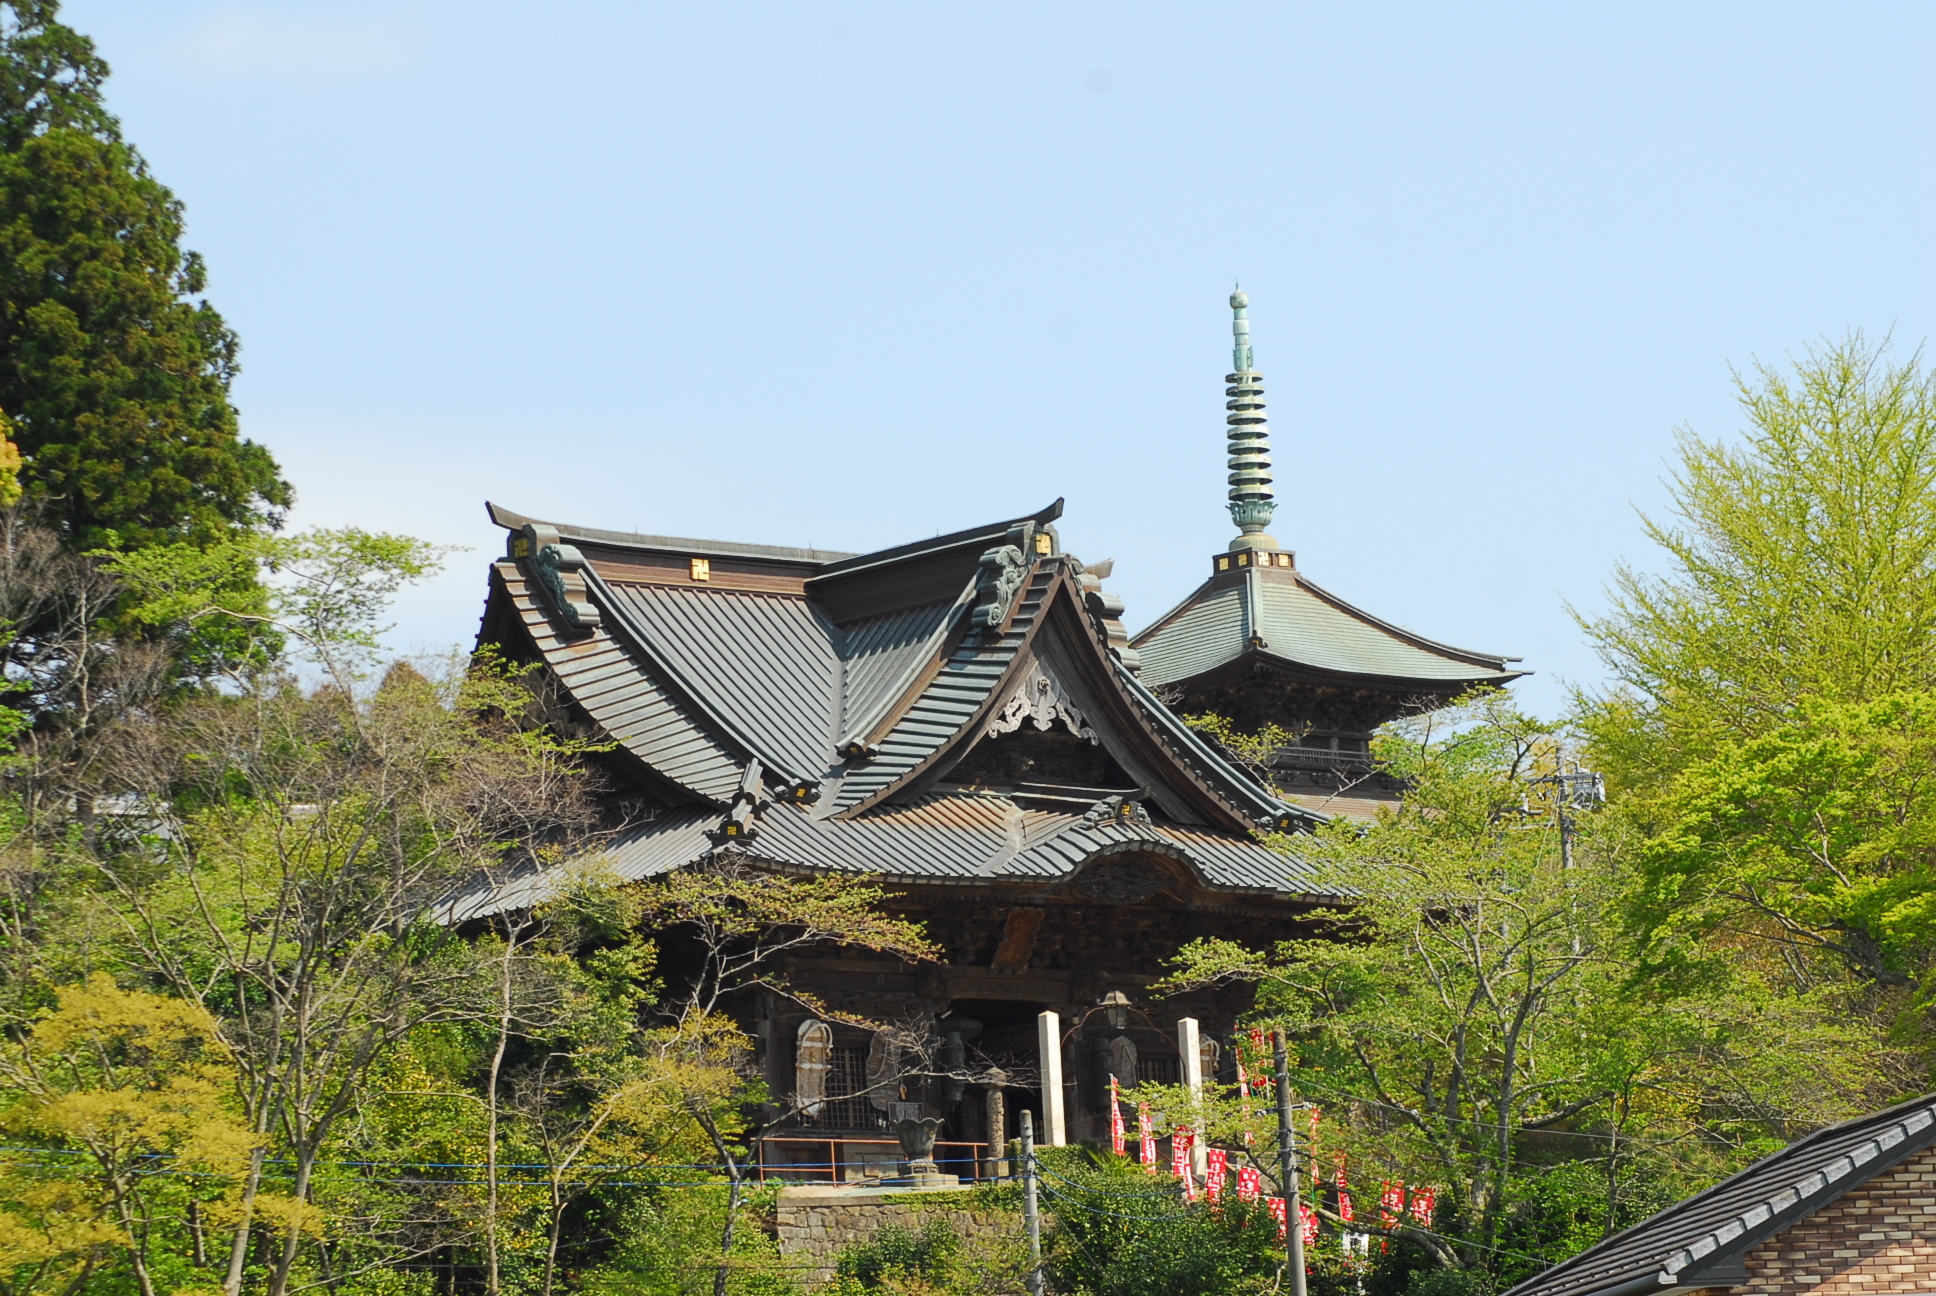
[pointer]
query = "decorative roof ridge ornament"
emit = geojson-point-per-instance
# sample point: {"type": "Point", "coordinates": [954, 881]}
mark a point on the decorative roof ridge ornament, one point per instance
{"type": "Point", "coordinates": [1004, 569]}
{"type": "Point", "coordinates": [749, 801]}
{"type": "Point", "coordinates": [1106, 610]}
{"type": "Point", "coordinates": [1252, 501]}
{"type": "Point", "coordinates": [1124, 808]}
{"type": "Point", "coordinates": [560, 570]}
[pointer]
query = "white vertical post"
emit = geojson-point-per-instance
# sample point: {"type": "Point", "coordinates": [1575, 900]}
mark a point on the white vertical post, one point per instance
{"type": "Point", "coordinates": [1048, 1046]}
{"type": "Point", "coordinates": [1189, 1045]}
{"type": "Point", "coordinates": [1031, 1212]}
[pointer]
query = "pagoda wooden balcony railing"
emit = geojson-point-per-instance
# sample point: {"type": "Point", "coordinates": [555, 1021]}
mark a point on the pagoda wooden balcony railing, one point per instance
{"type": "Point", "coordinates": [1317, 767]}
{"type": "Point", "coordinates": [1320, 758]}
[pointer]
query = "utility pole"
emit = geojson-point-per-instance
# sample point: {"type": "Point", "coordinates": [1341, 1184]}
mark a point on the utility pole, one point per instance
{"type": "Point", "coordinates": [1577, 789]}
{"type": "Point", "coordinates": [1031, 1210]}
{"type": "Point", "coordinates": [1287, 1168]}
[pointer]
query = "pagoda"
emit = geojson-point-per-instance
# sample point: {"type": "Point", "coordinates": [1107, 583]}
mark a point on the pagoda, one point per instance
{"type": "Point", "coordinates": [1261, 644]}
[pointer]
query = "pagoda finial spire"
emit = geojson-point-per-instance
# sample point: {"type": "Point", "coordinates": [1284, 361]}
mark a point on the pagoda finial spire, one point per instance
{"type": "Point", "coordinates": [1251, 499]}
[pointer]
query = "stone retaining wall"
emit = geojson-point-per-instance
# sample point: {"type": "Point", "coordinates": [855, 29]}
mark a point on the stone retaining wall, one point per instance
{"type": "Point", "coordinates": [815, 1221]}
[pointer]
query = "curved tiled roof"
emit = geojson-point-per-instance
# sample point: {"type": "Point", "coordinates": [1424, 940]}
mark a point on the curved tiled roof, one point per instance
{"type": "Point", "coordinates": [621, 695]}
{"type": "Point", "coordinates": [765, 660]}
{"type": "Point", "coordinates": [958, 691]}
{"type": "Point", "coordinates": [883, 655]}
{"type": "Point", "coordinates": [852, 685]}
{"type": "Point", "coordinates": [953, 836]}
{"type": "Point", "coordinates": [1276, 613]}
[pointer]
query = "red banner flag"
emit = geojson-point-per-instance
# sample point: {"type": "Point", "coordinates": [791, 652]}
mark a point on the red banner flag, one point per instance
{"type": "Point", "coordinates": [1146, 1136]}
{"type": "Point", "coordinates": [1309, 1219]}
{"type": "Point", "coordinates": [1391, 1209]}
{"type": "Point", "coordinates": [1422, 1206]}
{"type": "Point", "coordinates": [1281, 1213]}
{"type": "Point", "coordinates": [1261, 1056]}
{"type": "Point", "coordinates": [1216, 1165]}
{"type": "Point", "coordinates": [1115, 1118]}
{"type": "Point", "coordinates": [1344, 1197]}
{"type": "Point", "coordinates": [1250, 1184]}
{"type": "Point", "coordinates": [1180, 1144]}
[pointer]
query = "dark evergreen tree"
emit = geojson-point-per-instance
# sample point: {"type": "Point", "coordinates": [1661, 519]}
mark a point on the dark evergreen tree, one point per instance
{"type": "Point", "coordinates": [115, 371]}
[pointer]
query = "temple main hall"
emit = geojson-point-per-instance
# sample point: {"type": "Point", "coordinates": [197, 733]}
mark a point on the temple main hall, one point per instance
{"type": "Point", "coordinates": [968, 720]}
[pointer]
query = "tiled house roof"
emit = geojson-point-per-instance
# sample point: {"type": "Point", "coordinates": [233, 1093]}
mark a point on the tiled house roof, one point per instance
{"type": "Point", "coordinates": [1704, 1241]}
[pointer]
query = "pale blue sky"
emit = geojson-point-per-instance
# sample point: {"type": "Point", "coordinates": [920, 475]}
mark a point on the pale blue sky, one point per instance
{"type": "Point", "coordinates": [850, 275]}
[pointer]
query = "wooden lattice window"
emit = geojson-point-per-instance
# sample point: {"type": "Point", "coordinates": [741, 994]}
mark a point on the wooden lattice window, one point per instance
{"type": "Point", "coordinates": [1158, 1070]}
{"type": "Point", "coordinates": [847, 1105]}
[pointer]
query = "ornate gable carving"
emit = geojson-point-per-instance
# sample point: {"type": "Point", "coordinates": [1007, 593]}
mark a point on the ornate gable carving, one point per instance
{"type": "Point", "coordinates": [1040, 702]}
{"type": "Point", "coordinates": [1119, 879]}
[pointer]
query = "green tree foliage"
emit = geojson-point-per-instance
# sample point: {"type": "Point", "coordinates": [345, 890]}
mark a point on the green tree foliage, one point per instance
{"type": "Point", "coordinates": [1471, 1017]}
{"type": "Point", "coordinates": [931, 1255]}
{"type": "Point", "coordinates": [665, 1243]}
{"type": "Point", "coordinates": [1120, 1232]}
{"type": "Point", "coordinates": [317, 834]}
{"type": "Point", "coordinates": [1769, 732]}
{"type": "Point", "coordinates": [10, 488]}
{"type": "Point", "coordinates": [932, 1259]}
{"type": "Point", "coordinates": [113, 367]}
{"type": "Point", "coordinates": [1815, 839]}
{"type": "Point", "coordinates": [229, 607]}
{"type": "Point", "coordinates": [1798, 565]}
{"type": "Point", "coordinates": [91, 1097]}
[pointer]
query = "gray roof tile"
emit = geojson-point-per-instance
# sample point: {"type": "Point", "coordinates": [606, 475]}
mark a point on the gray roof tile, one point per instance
{"type": "Point", "coordinates": [958, 690]}
{"type": "Point", "coordinates": [623, 698]}
{"type": "Point", "coordinates": [881, 657]}
{"type": "Point", "coordinates": [1301, 624]}
{"type": "Point", "coordinates": [941, 837]}
{"type": "Point", "coordinates": [780, 695]}
{"type": "Point", "coordinates": [1710, 1231]}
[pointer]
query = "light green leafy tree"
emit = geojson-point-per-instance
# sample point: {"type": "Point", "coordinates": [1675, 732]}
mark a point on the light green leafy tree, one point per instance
{"type": "Point", "coordinates": [99, 1091]}
{"type": "Point", "coordinates": [1816, 839]}
{"type": "Point", "coordinates": [1767, 736]}
{"type": "Point", "coordinates": [1471, 1008]}
{"type": "Point", "coordinates": [308, 839]}
{"type": "Point", "coordinates": [1799, 564]}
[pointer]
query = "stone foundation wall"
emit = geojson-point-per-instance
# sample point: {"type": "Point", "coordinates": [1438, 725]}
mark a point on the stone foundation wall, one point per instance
{"type": "Point", "coordinates": [815, 1221]}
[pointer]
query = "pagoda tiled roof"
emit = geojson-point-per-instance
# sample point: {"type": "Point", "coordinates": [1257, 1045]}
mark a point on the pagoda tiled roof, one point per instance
{"type": "Point", "coordinates": [1268, 610]}
{"type": "Point", "coordinates": [835, 692]}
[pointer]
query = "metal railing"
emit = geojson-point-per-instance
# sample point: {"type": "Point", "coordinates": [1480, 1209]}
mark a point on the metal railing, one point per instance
{"type": "Point", "coordinates": [851, 1160]}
